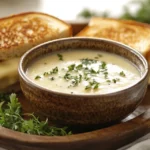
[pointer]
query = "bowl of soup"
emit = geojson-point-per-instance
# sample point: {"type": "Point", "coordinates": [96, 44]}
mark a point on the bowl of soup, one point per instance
{"type": "Point", "coordinates": [83, 81]}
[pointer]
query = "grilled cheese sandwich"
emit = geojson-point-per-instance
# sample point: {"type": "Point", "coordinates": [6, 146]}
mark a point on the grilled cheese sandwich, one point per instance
{"type": "Point", "coordinates": [131, 33]}
{"type": "Point", "coordinates": [19, 33]}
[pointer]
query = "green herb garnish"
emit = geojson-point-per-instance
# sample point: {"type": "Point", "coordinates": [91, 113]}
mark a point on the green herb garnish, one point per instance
{"type": "Point", "coordinates": [60, 56]}
{"type": "Point", "coordinates": [75, 80]}
{"type": "Point", "coordinates": [92, 85]}
{"type": "Point", "coordinates": [88, 61]}
{"type": "Point", "coordinates": [37, 77]}
{"type": "Point", "coordinates": [71, 67]}
{"type": "Point", "coordinates": [103, 65]}
{"type": "Point", "coordinates": [115, 80]}
{"type": "Point", "coordinates": [54, 70]}
{"type": "Point", "coordinates": [11, 117]}
{"type": "Point", "coordinates": [67, 76]}
{"type": "Point", "coordinates": [106, 75]}
{"type": "Point", "coordinates": [52, 78]}
{"type": "Point", "coordinates": [86, 76]}
{"type": "Point", "coordinates": [122, 74]}
{"type": "Point", "coordinates": [108, 81]}
{"type": "Point", "coordinates": [79, 67]}
{"type": "Point", "coordinates": [46, 73]}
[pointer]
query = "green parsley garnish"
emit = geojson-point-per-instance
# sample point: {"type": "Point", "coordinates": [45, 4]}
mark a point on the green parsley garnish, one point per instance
{"type": "Point", "coordinates": [92, 71]}
{"type": "Point", "coordinates": [52, 78]}
{"type": "Point", "coordinates": [79, 67]}
{"type": "Point", "coordinates": [11, 117]}
{"type": "Point", "coordinates": [75, 80]}
{"type": "Point", "coordinates": [67, 76]}
{"type": "Point", "coordinates": [103, 65]}
{"type": "Point", "coordinates": [106, 75]}
{"type": "Point", "coordinates": [92, 85]}
{"type": "Point", "coordinates": [122, 74]}
{"type": "Point", "coordinates": [54, 70]}
{"type": "Point", "coordinates": [37, 77]}
{"type": "Point", "coordinates": [46, 73]}
{"type": "Point", "coordinates": [86, 76]}
{"type": "Point", "coordinates": [71, 67]}
{"type": "Point", "coordinates": [108, 81]}
{"type": "Point", "coordinates": [115, 80]}
{"type": "Point", "coordinates": [60, 56]}
{"type": "Point", "coordinates": [88, 61]}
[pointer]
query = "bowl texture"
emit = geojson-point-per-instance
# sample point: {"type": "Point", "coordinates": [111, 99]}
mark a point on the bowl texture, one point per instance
{"type": "Point", "coordinates": [84, 110]}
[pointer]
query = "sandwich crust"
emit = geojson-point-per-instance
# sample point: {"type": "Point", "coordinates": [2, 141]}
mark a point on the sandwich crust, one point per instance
{"type": "Point", "coordinates": [19, 33]}
{"type": "Point", "coordinates": [131, 33]}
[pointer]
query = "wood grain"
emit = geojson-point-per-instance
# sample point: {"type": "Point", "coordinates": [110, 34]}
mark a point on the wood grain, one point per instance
{"type": "Point", "coordinates": [111, 137]}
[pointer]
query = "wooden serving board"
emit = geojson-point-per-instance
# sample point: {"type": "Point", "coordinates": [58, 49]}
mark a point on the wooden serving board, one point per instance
{"type": "Point", "coordinates": [106, 138]}
{"type": "Point", "coordinates": [109, 137]}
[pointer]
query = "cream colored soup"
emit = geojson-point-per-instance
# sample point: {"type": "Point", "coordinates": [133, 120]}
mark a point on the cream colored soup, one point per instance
{"type": "Point", "coordinates": [83, 72]}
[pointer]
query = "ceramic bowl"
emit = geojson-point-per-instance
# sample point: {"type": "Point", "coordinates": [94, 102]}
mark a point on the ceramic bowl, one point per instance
{"type": "Point", "coordinates": [83, 110]}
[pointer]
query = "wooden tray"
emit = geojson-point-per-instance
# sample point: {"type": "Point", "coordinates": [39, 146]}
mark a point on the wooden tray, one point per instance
{"type": "Point", "coordinates": [134, 126]}
{"type": "Point", "coordinates": [105, 138]}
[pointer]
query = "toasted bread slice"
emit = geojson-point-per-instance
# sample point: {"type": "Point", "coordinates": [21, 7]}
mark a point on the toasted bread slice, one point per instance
{"type": "Point", "coordinates": [131, 33]}
{"type": "Point", "coordinates": [18, 33]}
{"type": "Point", "coordinates": [8, 73]}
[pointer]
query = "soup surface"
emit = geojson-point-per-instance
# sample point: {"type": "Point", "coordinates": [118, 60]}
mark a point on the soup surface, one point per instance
{"type": "Point", "coordinates": [83, 72]}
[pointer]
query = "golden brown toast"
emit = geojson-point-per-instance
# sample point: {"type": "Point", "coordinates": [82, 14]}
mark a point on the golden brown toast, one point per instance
{"type": "Point", "coordinates": [19, 33]}
{"type": "Point", "coordinates": [131, 33]}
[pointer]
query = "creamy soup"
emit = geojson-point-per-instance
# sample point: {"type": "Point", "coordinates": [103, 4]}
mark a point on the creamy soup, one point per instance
{"type": "Point", "coordinates": [83, 72]}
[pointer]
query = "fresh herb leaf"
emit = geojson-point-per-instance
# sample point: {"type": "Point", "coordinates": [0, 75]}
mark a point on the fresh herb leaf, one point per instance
{"type": "Point", "coordinates": [60, 56]}
{"type": "Point", "coordinates": [92, 85]}
{"type": "Point", "coordinates": [88, 87]}
{"type": "Point", "coordinates": [103, 65]}
{"type": "Point", "coordinates": [80, 78]}
{"type": "Point", "coordinates": [106, 75]}
{"type": "Point", "coordinates": [79, 67]}
{"type": "Point", "coordinates": [108, 81]}
{"type": "Point", "coordinates": [54, 70]}
{"type": "Point", "coordinates": [93, 71]}
{"type": "Point", "coordinates": [37, 77]}
{"type": "Point", "coordinates": [122, 74]}
{"type": "Point", "coordinates": [75, 81]}
{"type": "Point", "coordinates": [71, 67]}
{"type": "Point", "coordinates": [46, 73]}
{"type": "Point", "coordinates": [11, 117]}
{"type": "Point", "coordinates": [96, 86]}
{"type": "Point", "coordinates": [52, 78]}
{"type": "Point", "coordinates": [88, 61]}
{"type": "Point", "coordinates": [86, 76]}
{"type": "Point", "coordinates": [67, 76]}
{"type": "Point", "coordinates": [115, 80]}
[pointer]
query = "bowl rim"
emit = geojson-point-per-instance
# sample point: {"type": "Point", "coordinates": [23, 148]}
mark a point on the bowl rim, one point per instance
{"type": "Point", "coordinates": [116, 43]}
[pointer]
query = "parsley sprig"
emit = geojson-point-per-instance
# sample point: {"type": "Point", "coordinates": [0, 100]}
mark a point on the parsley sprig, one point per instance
{"type": "Point", "coordinates": [60, 56]}
{"type": "Point", "coordinates": [122, 74]}
{"type": "Point", "coordinates": [11, 117]}
{"type": "Point", "coordinates": [92, 85]}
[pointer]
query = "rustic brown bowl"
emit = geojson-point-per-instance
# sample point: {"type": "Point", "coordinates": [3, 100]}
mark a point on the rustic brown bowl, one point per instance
{"type": "Point", "coordinates": [83, 110]}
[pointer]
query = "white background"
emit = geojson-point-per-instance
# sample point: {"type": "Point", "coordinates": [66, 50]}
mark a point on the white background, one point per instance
{"type": "Point", "coordinates": [63, 9]}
